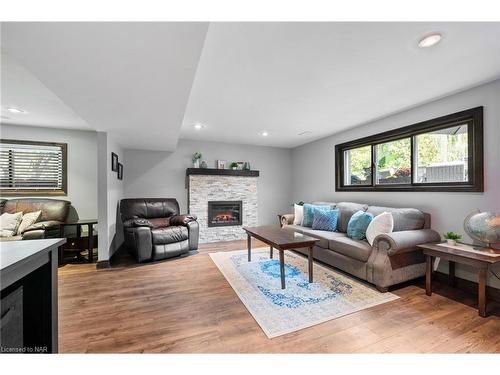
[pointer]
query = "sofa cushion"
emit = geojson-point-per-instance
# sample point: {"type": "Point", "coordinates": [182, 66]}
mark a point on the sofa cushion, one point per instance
{"type": "Point", "coordinates": [309, 209]}
{"type": "Point", "coordinates": [320, 203]}
{"type": "Point", "coordinates": [52, 209]}
{"type": "Point", "coordinates": [324, 235]}
{"type": "Point", "coordinates": [381, 224]}
{"type": "Point", "coordinates": [9, 223]}
{"type": "Point", "coordinates": [298, 214]}
{"type": "Point", "coordinates": [356, 228]}
{"type": "Point", "coordinates": [346, 210]}
{"type": "Point", "coordinates": [356, 249]}
{"type": "Point", "coordinates": [404, 218]}
{"type": "Point", "coordinates": [325, 220]}
{"type": "Point", "coordinates": [28, 220]}
{"type": "Point", "coordinates": [168, 235]}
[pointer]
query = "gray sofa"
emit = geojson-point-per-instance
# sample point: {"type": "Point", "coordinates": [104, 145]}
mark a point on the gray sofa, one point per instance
{"type": "Point", "coordinates": [391, 260]}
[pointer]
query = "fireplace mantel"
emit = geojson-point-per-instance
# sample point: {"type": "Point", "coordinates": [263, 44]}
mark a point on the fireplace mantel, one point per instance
{"type": "Point", "coordinates": [221, 172]}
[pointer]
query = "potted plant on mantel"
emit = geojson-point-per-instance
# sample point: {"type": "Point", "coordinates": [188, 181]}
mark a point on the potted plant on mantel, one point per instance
{"type": "Point", "coordinates": [452, 238]}
{"type": "Point", "coordinates": [234, 165]}
{"type": "Point", "coordinates": [196, 159]}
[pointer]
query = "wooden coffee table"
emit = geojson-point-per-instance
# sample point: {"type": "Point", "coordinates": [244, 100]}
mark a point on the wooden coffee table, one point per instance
{"type": "Point", "coordinates": [479, 259]}
{"type": "Point", "coordinates": [281, 239]}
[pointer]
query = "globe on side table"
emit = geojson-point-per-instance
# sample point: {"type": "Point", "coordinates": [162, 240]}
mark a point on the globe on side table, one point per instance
{"type": "Point", "coordinates": [483, 227]}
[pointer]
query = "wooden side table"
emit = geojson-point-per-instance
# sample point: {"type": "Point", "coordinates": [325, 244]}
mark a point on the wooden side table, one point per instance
{"type": "Point", "coordinates": [464, 254]}
{"type": "Point", "coordinates": [80, 241]}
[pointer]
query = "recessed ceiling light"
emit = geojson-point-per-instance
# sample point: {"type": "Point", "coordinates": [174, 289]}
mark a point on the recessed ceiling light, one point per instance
{"type": "Point", "coordinates": [430, 40]}
{"type": "Point", "coordinates": [15, 110]}
{"type": "Point", "coordinates": [264, 133]}
{"type": "Point", "coordinates": [198, 126]}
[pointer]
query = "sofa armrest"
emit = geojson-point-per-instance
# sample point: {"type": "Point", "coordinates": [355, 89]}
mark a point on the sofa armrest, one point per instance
{"type": "Point", "coordinates": [405, 241]}
{"type": "Point", "coordinates": [34, 234]}
{"type": "Point", "coordinates": [137, 222]}
{"type": "Point", "coordinates": [43, 225]}
{"type": "Point", "coordinates": [286, 219]}
{"type": "Point", "coordinates": [182, 219]}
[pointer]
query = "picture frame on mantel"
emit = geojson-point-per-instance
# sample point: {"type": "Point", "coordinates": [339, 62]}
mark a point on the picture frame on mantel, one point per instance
{"type": "Point", "coordinates": [114, 162]}
{"type": "Point", "coordinates": [120, 171]}
{"type": "Point", "coordinates": [221, 164]}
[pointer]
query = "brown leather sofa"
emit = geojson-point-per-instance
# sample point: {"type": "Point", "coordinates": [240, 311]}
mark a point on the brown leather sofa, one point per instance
{"type": "Point", "coordinates": [54, 212]}
{"type": "Point", "coordinates": [154, 229]}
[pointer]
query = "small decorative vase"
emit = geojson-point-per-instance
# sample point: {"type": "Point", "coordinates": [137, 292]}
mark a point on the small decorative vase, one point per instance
{"type": "Point", "coordinates": [246, 166]}
{"type": "Point", "coordinates": [196, 163]}
{"type": "Point", "coordinates": [204, 164]}
{"type": "Point", "coordinates": [451, 242]}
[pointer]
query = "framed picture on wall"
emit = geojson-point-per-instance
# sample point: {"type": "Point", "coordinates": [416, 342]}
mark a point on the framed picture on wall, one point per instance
{"type": "Point", "coordinates": [114, 162]}
{"type": "Point", "coordinates": [120, 171]}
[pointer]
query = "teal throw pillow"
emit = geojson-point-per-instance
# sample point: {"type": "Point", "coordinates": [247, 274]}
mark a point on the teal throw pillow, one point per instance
{"type": "Point", "coordinates": [325, 220]}
{"type": "Point", "coordinates": [356, 228]}
{"type": "Point", "coordinates": [308, 217]}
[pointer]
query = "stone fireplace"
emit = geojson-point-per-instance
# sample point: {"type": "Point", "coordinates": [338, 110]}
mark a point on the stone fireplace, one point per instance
{"type": "Point", "coordinates": [224, 201]}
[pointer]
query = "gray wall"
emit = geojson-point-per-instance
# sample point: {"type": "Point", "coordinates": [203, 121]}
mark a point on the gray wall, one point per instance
{"type": "Point", "coordinates": [314, 179]}
{"type": "Point", "coordinates": [82, 162]}
{"type": "Point", "coordinates": [110, 192]}
{"type": "Point", "coordinates": [162, 174]}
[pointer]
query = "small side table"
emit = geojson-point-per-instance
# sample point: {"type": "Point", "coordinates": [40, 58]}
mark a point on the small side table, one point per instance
{"type": "Point", "coordinates": [464, 254]}
{"type": "Point", "coordinates": [79, 239]}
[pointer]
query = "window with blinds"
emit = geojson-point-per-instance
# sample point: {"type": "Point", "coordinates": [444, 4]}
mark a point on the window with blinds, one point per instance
{"type": "Point", "coordinates": [28, 167]}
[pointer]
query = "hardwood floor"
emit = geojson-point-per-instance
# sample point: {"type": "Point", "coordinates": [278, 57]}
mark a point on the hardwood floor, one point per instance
{"type": "Point", "coordinates": [186, 306]}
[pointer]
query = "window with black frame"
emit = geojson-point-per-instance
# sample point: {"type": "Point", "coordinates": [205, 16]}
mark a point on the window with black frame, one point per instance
{"type": "Point", "coordinates": [442, 154]}
{"type": "Point", "coordinates": [32, 168]}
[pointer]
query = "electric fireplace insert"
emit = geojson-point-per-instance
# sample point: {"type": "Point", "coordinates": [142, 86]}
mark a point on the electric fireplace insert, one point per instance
{"type": "Point", "coordinates": [224, 213]}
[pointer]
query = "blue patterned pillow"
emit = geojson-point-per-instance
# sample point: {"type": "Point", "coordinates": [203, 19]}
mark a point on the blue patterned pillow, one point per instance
{"type": "Point", "coordinates": [307, 219]}
{"type": "Point", "coordinates": [356, 228]}
{"type": "Point", "coordinates": [325, 220]}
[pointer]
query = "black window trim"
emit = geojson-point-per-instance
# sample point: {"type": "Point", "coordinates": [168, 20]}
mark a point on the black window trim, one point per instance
{"type": "Point", "coordinates": [41, 192]}
{"type": "Point", "coordinates": [473, 117]}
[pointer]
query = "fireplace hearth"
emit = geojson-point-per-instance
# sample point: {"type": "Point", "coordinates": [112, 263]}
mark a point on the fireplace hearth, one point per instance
{"type": "Point", "coordinates": [224, 213]}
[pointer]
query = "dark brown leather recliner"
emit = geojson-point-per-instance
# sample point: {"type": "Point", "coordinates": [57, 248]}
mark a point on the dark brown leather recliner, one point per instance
{"type": "Point", "coordinates": [54, 212]}
{"type": "Point", "coordinates": [154, 229]}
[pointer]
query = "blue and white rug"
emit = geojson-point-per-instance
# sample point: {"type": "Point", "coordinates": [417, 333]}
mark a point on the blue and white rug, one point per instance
{"type": "Point", "coordinates": [301, 305]}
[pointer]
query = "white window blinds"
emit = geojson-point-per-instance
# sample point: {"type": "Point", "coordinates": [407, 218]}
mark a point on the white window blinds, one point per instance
{"type": "Point", "coordinates": [32, 166]}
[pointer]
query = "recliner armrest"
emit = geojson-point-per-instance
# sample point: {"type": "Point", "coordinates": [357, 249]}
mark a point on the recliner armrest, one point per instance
{"type": "Point", "coordinates": [405, 240]}
{"type": "Point", "coordinates": [182, 219]}
{"type": "Point", "coordinates": [137, 222]}
{"type": "Point", "coordinates": [142, 242]}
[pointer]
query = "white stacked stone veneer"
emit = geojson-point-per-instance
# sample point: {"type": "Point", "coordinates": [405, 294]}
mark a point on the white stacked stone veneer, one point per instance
{"type": "Point", "coordinates": [204, 188]}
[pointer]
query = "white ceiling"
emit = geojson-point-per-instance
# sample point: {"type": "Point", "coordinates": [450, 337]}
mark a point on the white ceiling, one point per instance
{"type": "Point", "coordinates": [130, 79]}
{"type": "Point", "coordinates": [21, 89]}
{"type": "Point", "coordinates": [288, 78]}
{"type": "Point", "coordinates": [147, 84]}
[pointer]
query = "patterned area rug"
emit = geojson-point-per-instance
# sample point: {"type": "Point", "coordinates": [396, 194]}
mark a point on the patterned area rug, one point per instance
{"type": "Point", "coordinates": [300, 305]}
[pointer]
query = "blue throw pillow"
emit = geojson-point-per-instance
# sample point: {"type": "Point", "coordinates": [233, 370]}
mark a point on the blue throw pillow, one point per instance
{"type": "Point", "coordinates": [356, 228]}
{"type": "Point", "coordinates": [325, 220]}
{"type": "Point", "coordinates": [307, 219]}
